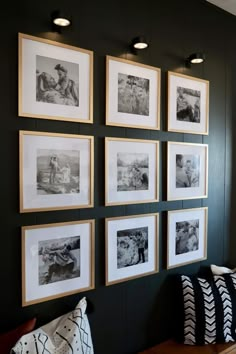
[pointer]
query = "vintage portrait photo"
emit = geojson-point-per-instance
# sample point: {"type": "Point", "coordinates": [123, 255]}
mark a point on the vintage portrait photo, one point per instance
{"type": "Point", "coordinates": [188, 104]}
{"type": "Point", "coordinates": [58, 171]}
{"type": "Point", "coordinates": [59, 259]}
{"type": "Point", "coordinates": [133, 94]}
{"type": "Point", "coordinates": [132, 171]}
{"type": "Point", "coordinates": [187, 171]}
{"type": "Point", "coordinates": [132, 247]}
{"type": "Point", "coordinates": [57, 81]}
{"type": "Point", "coordinates": [187, 236]}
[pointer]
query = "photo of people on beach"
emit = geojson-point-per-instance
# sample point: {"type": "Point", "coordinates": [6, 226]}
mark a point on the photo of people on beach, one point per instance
{"type": "Point", "coordinates": [58, 171]}
{"type": "Point", "coordinates": [57, 81]}
{"type": "Point", "coordinates": [132, 171]}
{"type": "Point", "coordinates": [133, 94]}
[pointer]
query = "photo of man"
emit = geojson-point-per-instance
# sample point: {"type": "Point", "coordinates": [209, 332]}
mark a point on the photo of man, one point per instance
{"type": "Point", "coordinates": [187, 171]}
{"type": "Point", "coordinates": [187, 236]}
{"type": "Point", "coordinates": [59, 260]}
{"type": "Point", "coordinates": [188, 105]}
{"type": "Point", "coordinates": [132, 247]}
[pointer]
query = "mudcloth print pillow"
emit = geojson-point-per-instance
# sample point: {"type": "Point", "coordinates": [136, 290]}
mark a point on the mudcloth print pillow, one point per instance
{"type": "Point", "coordinates": [68, 334]}
{"type": "Point", "coordinates": [209, 309]}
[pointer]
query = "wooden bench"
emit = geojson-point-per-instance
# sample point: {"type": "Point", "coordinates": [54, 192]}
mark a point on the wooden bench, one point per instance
{"type": "Point", "coordinates": [171, 347]}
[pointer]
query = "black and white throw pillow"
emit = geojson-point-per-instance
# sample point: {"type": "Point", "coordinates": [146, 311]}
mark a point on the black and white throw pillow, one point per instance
{"type": "Point", "coordinates": [69, 333]}
{"type": "Point", "coordinates": [209, 309]}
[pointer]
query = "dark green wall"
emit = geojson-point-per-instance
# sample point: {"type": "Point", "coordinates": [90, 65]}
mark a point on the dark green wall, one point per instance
{"type": "Point", "coordinates": [132, 315]}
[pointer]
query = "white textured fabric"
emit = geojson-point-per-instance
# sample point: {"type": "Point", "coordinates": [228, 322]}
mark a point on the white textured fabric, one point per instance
{"type": "Point", "coordinates": [68, 334]}
{"type": "Point", "coordinates": [216, 270]}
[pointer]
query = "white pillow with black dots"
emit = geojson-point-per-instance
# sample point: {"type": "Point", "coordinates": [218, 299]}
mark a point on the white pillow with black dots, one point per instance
{"type": "Point", "coordinates": [69, 333]}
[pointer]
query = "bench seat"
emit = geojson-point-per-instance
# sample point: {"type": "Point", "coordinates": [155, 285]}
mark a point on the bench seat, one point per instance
{"type": "Point", "coordinates": [172, 347]}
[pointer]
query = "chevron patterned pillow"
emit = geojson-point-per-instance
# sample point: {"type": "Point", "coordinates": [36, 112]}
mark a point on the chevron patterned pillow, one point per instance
{"type": "Point", "coordinates": [209, 309]}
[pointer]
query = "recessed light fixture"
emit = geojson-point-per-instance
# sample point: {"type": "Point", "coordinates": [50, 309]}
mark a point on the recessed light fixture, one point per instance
{"type": "Point", "coordinates": [196, 58]}
{"type": "Point", "coordinates": [140, 43]}
{"type": "Point", "coordinates": [60, 19]}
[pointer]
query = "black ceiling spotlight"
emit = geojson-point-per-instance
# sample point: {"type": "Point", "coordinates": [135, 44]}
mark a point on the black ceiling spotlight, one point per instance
{"type": "Point", "coordinates": [196, 58]}
{"type": "Point", "coordinates": [60, 20]}
{"type": "Point", "coordinates": [139, 43]}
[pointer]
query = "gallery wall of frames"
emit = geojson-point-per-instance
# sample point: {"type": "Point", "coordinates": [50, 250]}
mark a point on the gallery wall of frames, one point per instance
{"type": "Point", "coordinates": [115, 166]}
{"type": "Point", "coordinates": [57, 170]}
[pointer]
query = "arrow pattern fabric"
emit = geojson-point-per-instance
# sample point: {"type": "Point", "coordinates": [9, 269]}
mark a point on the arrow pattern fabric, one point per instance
{"type": "Point", "coordinates": [233, 276]}
{"type": "Point", "coordinates": [227, 307]}
{"type": "Point", "coordinates": [209, 309]}
{"type": "Point", "coordinates": [189, 308]}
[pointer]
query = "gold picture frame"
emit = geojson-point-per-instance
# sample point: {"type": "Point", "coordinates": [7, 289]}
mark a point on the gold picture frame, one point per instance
{"type": "Point", "coordinates": [137, 106]}
{"type": "Point", "coordinates": [188, 104]}
{"type": "Point", "coordinates": [123, 185]}
{"type": "Point", "coordinates": [187, 171]}
{"type": "Point", "coordinates": [43, 95]}
{"type": "Point", "coordinates": [42, 278]}
{"type": "Point", "coordinates": [67, 182]}
{"type": "Point", "coordinates": [186, 236]}
{"type": "Point", "coordinates": [142, 232]}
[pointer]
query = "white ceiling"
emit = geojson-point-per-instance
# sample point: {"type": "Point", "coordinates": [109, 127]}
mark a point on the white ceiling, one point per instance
{"type": "Point", "coordinates": [227, 5]}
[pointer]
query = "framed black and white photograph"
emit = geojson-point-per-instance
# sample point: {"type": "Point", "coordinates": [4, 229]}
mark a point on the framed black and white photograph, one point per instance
{"type": "Point", "coordinates": [55, 80]}
{"type": "Point", "coordinates": [56, 171]}
{"type": "Point", "coordinates": [187, 171]}
{"type": "Point", "coordinates": [132, 171]}
{"type": "Point", "coordinates": [57, 260]}
{"type": "Point", "coordinates": [131, 247]}
{"type": "Point", "coordinates": [188, 104]}
{"type": "Point", "coordinates": [187, 236]}
{"type": "Point", "coordinates": [132, 94]}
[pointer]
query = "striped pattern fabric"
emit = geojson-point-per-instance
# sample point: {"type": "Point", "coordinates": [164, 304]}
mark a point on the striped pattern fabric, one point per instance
{"type": "Point", "coordinates": [209, 309]}
{"type": "Point", "coordinates": [68, 334]}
